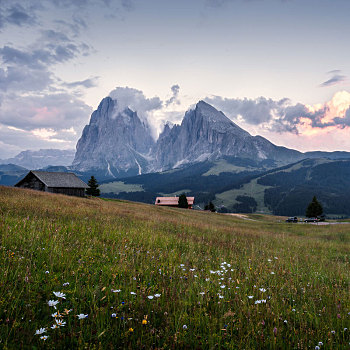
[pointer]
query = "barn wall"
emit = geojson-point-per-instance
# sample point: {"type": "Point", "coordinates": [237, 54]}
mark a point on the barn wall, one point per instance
{"type": "Point", "coordinates": [33, 183]}
{"type": "Point", "coordinates": [78, 192]}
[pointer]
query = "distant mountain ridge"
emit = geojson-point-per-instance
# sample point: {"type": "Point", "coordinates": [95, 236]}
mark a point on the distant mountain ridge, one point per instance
{"type": "Point", "coordinates": [42, 158]}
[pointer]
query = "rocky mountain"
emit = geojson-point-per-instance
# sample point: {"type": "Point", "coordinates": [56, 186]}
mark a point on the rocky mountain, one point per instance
{"type": "Point", "coordinates": [115, 143]}
{"type": "Point", "coordinates": [205, 133]}
{"type": "Point", "coordinates": [40, 159]}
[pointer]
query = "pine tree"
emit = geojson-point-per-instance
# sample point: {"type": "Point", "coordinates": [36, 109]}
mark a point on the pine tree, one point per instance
{"type": "Point", "coordinates": [93, 189]}
{"type": "Point", "coordinates": [183, 201]}
{"type": "Point", "coordinates": [314, 209]}
{"type": "Point", "coordinates": [210, 207]}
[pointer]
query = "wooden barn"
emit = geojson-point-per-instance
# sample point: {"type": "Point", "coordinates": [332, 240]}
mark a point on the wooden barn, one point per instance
{"type": "Point", "coordinates": [64, 183]}
{"type": "Point", "coordinates": [173, 201]}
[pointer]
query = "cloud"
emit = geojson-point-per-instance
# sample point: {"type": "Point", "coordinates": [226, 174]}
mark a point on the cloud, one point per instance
{"type": "Point", "coordinates": [154, 111]}
{"type": "Point", "coordinates": [15, 79]}
{"type": "Point", "coordinates": [87, 83]}
{"type": "Point", "coordinates": [135, 100]}
{"type": "Point", "coordinates": [336, 78]}
{"type": "Point", "coordinates": [278, 116]}
{"type": "Point", "coordinates": [175, 89]}
{"type": "Point", "coordinates": [56, 111]}
{"type": "Point", "coordinates": [14, 140]}
{"type": "Point", "coordinates": [12, 13]}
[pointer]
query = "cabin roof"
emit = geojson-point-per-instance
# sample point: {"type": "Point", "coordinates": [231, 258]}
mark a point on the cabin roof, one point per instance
{"type": "Point", "coordinates": [57, 179]}
{"type": "Point", "coordinates": [172, 200]}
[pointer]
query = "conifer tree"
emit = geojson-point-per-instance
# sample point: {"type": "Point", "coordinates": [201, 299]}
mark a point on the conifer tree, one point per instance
{"type": "Point", "coordinates": [210, 207]}
{"type": "Point", "coordinates": [183, 201]}
{"type": "Point", "coordinates": [314, 209]}
{"type": "Point", "coordinates": [93, 189]}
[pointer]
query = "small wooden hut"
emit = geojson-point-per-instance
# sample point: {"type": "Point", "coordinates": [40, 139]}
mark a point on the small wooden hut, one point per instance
{"type": "Point", "coordinates": [173, 201]}
{"type": "Point", "coordinates": [64, 183]}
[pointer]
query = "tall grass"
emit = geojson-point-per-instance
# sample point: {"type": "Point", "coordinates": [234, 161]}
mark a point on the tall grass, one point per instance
{"type": "Point", "coordinates": [149, 277]}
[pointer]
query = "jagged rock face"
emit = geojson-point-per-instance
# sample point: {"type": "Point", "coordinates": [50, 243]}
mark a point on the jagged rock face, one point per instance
{"type": "Point", "coordinates": [119, 144]}
{"type": "Point", "coordinates": [116, 143]}
{"type": "Point", "coordinates": [206, 133]}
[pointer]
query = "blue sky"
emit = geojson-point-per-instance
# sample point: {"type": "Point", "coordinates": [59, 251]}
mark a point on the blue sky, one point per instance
{"type": "Point", "coordinates": [278, 68]}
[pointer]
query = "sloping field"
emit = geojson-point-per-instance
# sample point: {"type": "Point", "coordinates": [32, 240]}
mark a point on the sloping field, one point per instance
{"type": "Point", "coordinates": [135, 276]}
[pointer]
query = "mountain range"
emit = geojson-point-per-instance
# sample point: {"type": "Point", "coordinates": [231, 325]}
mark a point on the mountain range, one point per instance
{"type": "Point", "coordinates": [207, 156]}
{"type": "Point", "coordinates": [41, 159]}
{"type": "Point", "coordinates": [117, 144]}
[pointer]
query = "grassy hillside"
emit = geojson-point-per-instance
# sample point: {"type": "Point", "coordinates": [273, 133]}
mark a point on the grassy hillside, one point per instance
{"type": "Point", "coordinates": [289, 190]}
{"type": "Point", "coordinates": [149, 277]}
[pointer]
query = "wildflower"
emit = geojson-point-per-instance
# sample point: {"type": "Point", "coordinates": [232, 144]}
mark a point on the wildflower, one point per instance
{"type": "Point", "coordinates": [333, 332]}
{"type": "Point", "coordinates": [56, 314]}
{"type": "Point", "coordinates": [320, 343]}
{"type": "Point", "coordinates": [184, 326]}
{"type": "Point", "coordinates": [114, 315]}
{"type": "Point", "coordinates": [53, 303]}
{"type": "Point", "coordinates": [222, 286]}
{"type": "Point", "coordinates": [317, 347]}
{"type": "Point", "coordinates": [272, 273]}
{"type": "Point", "coordinates": [221, 297]}
{"type": "Point", "coordinates": [44, 337]}
{"type": "Point", "coordinates": [82, 316]}
{"type": "Point", "coordinates": [54, 326]}
{"type": "Point", "coordinates": [60, 322]}
{"type": "Point", "coordinates": [345, 329]}
{"type": "Point", "coordinates": [157, 295]}
{"type": "Point", "coordinates": [66, 311]}
{"type": "Point", "coordinates": [47, 272]}
{"type": "Point", "coordinates": [285, 321]}
{"type": "Point", "coordinates": [116, 290]}
{"type": "Point", "coordinates": [144, 321]}
{"type": "Point", "coordinates": [40, 331]}
{"type": "Point", "coordinates": [65, 284]}
{"type": "Point", "coordinates": [131, 330]}
{"type": "Point", "coordinates": [132, 293]}
{"type": "Point", "coordinates": [60, 295]}
{"type": "Point", "coordinates": [293, 310]}
{"type": "Point", "coordinates": [250, 296]}
{"type": "Point", "coordinates": [263, 290]}
{"type": "Point", "coordinates": [202, 293]}
{"type": "Point", "coordinates": [150, 297]}
{"type": "Point", "coordinates": [269, 260]}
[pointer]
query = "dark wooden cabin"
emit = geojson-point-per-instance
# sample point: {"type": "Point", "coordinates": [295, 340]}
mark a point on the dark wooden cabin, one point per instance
{"type": "Point", "coordinates": [64, 183]}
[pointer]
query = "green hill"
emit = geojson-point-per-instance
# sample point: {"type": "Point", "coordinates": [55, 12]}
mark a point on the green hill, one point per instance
{"type": "Point", "coordinates": [201, 180]}
{"type": "Point", "coordinates": [143, 277]}
{"type": "Point", "coordinates": [288, 190]}
{"type": "Point", "coordinates": [244, 186]}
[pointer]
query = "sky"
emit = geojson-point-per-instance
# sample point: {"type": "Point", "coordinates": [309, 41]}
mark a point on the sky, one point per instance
{"type": "Point", "coordinates": [277, 68]}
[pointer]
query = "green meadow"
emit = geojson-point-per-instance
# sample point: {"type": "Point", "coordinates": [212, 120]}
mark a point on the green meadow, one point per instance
{"type": "Point", "coordinates": [96, 274]}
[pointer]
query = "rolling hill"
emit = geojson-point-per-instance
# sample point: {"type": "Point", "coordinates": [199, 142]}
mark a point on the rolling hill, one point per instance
{"type": "Point", "coordinates": [242, 185]}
